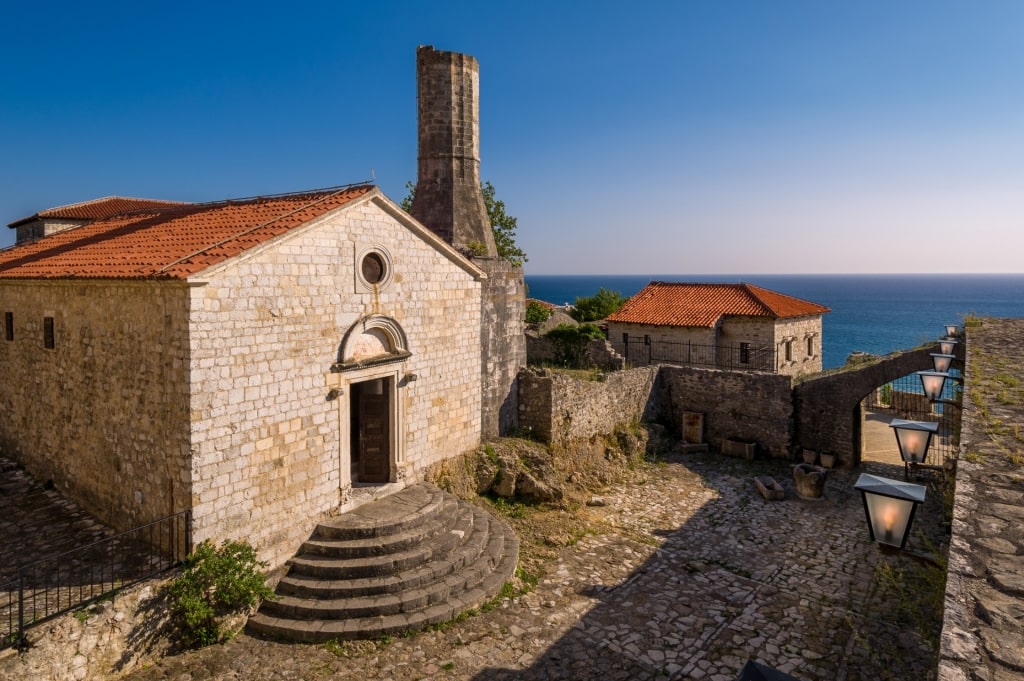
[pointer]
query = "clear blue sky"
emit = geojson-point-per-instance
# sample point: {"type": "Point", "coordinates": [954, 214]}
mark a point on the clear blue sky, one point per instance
{"type": "Point", "coordinates": [732, 137]}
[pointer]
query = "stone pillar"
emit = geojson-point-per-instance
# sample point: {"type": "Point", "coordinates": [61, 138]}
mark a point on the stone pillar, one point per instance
{"type": "Point", "coordinates": [448, 198]}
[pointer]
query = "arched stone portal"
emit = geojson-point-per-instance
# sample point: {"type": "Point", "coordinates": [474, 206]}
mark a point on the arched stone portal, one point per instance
{"type": "Point", "coordinates": [372, 363]}
{"type": "Point", "coordinates": [827, 408]}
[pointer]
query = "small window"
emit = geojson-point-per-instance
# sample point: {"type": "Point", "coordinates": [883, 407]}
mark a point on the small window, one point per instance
{"type": "Point", "coordinates": [810, 346]}
{"type": "Point", "coordinates": [625, 339]}
{"type": "Point", "coordinates": [789, 351]}
{"type": "Point", "coordinates": [373, 268]}
{"type": "Point", "coordinates": [647, 339]}
{"type": "Point", "coordinates": [49, 342]}
{"type": "Point", "coordinates": [9, 325]}
{"type": "Point", "coordinates": [744, 353]}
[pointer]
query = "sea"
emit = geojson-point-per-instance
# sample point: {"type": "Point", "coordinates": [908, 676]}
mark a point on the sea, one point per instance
{"type": "Point", "coordinates": [874, 313]}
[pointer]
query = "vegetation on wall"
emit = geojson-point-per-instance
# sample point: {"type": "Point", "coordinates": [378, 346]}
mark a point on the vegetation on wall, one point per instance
{"type": "Point", "coordinates": [571, 343]}
{"type": "Point", "coordinates": [598, 306]}
{"type": "Point", "coordinates": [503, 225]}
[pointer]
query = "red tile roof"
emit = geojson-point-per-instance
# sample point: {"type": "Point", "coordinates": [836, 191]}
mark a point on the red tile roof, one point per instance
{"type": "Point", "coordinates": [169, 241]}
{"type": "Point", "coordinates": [673, 304]}
{"type": "Point", "coordinates": [97, 209]}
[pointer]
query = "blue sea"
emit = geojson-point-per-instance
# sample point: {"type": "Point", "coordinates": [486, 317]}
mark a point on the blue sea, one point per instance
{"type": "Point", "coordinates": [876, 313]}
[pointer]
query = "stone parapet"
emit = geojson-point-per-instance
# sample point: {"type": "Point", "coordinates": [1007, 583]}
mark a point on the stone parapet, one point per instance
{"type": "Point", "coordinates": [982, 636]}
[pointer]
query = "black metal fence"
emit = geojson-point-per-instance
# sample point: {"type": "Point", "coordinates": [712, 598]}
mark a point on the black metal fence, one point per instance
{"type": "Point", "coordinates": [52, 586]}
{"type": "Point", "coordinates": [643, 350]}
{"type": "Point", "coordinates": [904, 398]}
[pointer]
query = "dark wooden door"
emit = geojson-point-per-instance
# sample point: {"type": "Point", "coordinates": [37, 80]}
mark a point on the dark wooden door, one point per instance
{"type": "Point", "coordinates": [374, 438]}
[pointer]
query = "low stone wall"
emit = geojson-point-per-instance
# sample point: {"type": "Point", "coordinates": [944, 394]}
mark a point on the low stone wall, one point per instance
{"type": "Point", "coordinates": [750, 406]}
{"type": "Point", "coordinates": [558, 408]}
{"type": "Point", "coordinates": [982, 637]}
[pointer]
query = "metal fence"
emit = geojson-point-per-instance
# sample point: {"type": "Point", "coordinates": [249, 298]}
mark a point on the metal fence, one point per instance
{"type": "Point", "coordinates": [644, 350]}
{"type": "Point", "coordinates": [904, 398]}
{"type": "Point", "coordinates": [55, 585]}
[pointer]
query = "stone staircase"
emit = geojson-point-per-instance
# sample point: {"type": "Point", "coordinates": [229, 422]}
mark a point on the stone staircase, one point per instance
{"type": "Point", "coordinates": [415, 558]}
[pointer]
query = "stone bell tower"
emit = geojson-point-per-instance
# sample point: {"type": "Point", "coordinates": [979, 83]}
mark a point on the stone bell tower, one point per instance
{"type": "Point", "coordinates": [450, 202]}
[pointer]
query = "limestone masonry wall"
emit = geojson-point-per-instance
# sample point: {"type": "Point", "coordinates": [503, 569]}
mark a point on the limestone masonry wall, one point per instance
{"type": "Point", "coordinates": [559, 408]}
{"type": "Point", "coordinates": [503, 343]}
{"type": "Point", "coordinates": [750, 406]}
{"type": "Point", "coordinates": [104, 414]}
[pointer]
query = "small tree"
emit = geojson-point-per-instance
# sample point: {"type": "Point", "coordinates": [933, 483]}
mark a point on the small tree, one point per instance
{"type": "Point", "coordinates": [537, 313]}
{"type": "Point", "coordinates": [503, 225]}
{"type": "Point", "coordinates": [597, 306]}
{"type": "Point", "coordinates": [216, 582]}
{"type": "Point", "coordinates": [571, 343]}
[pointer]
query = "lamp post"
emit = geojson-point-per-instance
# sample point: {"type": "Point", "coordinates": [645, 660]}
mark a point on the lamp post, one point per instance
{"type": "Point", "coordinates": [947, 346]}
{"type": "Point", "coordinates": [942, 362]}
{"type": "Point", "coordinates": [914, 438]}
{"type": "Point", "coordinates": [933, 383]}
{"type": "Point", "coordinates": [950, 330]}
{"type": "Point", "coordinates": [889, 506]}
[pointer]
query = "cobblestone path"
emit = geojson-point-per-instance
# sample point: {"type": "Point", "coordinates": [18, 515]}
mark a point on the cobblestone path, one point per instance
{"type": "Point", "coordinates": [687, 575]}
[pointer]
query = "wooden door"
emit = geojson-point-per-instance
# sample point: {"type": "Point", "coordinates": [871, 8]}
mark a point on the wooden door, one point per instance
{"type": "Point", "coordinates": [374, 436]}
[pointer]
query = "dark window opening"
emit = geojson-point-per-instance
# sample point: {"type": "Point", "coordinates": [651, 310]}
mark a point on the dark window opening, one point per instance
{"type": "Point", "coordinates": [789, 351]}
{"type": "Point", "coordinates": [373, 268]}
{"type": "Point", "coordinates": [647, 339]}
{"type": "Point", "coordinates": [744, 353]}
{"type": "Point", "coordinates": [810, 346]}
{"type": "Point", "coordinates": [9, 325]}
{"type": "Point", "coordinates": [48, 339]}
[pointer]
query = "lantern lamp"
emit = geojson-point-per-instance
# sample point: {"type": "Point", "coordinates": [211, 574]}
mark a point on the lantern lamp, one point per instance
{"type": "Point", "coordinates": [913, 438]}
{"type": "Point", "coordinates": [947, 346]}
{"type": "Point", "coordinates": [950, 330]}
{"type": "Point", "coordinates": [889, 506]}
{"type": "Point", "coordinates": [933, 383]}
{"type": "Point", "coordinates": [942, 362]}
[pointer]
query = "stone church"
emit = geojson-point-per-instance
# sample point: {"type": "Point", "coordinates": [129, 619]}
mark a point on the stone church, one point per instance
{"type": "Point", "coordinates": [264, 361]}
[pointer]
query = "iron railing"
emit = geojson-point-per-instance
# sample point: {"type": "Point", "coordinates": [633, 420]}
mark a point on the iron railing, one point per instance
{"type": "Point", "coordinates": [46, 588]}
{"type": "Point", "coordinates": [644, 350]}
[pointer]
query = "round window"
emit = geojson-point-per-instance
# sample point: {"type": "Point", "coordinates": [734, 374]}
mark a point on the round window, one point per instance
{"type": "Point", "coordinates": [373, 268]}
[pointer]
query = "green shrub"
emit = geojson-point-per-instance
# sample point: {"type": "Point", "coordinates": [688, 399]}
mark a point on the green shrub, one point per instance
{"type": "Point", "coordinates": [537, 313]}
{"type": "Point", "coordinates": [571, 343]}
{"type": "Point", "coordinates": [216, 581]}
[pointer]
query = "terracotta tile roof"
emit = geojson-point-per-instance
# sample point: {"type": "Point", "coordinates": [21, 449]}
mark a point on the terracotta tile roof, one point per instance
{"type": "Point", "coordinates": [97, 209]}
{"type": "Point", "coordinates": [169, 241]}
{"type": "Point", "coordinates": [673, 304]}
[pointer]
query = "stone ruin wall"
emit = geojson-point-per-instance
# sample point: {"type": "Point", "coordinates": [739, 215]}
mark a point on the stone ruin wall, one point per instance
{"type": "Point", "coordinates": [558, 408]}
{"type": "Point", "coordinates": [747, 406]}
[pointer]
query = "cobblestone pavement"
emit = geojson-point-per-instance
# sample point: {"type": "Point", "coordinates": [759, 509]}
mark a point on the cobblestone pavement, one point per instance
{"type": "Point", "coordinates": [687, 575]}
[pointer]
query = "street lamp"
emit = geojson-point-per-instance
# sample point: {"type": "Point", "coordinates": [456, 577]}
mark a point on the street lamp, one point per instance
{"type": "Point", "coordinates": [947, 346]}
{"type": "Point", "coordinates": [889, 506]}
{"type": "Point", "coordinates": [950, 330]}
{"type": "Point", "coordinates": [933, 383]}
{"type": "Point", "coordinates": [914, 438]}
{"type": "Point", "coordinates": [942, 362]}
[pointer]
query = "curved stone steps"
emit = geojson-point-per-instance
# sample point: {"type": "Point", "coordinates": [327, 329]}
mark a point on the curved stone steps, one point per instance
{"type": "Point", "coordinates": [328, 593]}
{"type": "Point", "coordinates": [432, 549]}
{"type": "Point", "coordinates": [325, 542]}
{"type": "Point", "coordinates": [305, 585]}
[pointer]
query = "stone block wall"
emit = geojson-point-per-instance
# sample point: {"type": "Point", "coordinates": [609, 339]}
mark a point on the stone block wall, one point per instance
{"type": "Point", "coordinates": [749, 406]}
{"type": "Point", "coordinates": [104, 414]}
{"type": "Point", "coordinates": [599, 352]}
{"type": "Point", "coordinates": [558, 408]}
{"type": "Point", "coordinates": [268, 448]}
{"type": "Point", "coordinates": [503, 343]}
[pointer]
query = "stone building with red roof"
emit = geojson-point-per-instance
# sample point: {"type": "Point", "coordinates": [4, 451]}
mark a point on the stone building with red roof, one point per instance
{"type": "Point", "coordinates": [738, 326]}
{"type": "Point", "coordinates": [264, 361]}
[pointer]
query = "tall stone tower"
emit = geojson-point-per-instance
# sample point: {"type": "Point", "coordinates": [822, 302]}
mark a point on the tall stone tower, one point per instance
{"type": "Point", "coordinates": [450, 202]}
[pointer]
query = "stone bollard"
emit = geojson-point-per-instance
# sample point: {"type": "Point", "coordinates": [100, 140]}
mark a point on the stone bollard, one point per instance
{"type": "Point", "coordinates": [810, 480]}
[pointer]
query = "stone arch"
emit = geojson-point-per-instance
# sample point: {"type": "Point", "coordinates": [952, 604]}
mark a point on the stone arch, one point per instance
{"type": "Point", "coordinates": [827, 408]}
{"type": "Point", "coordinates": [374, 339]}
